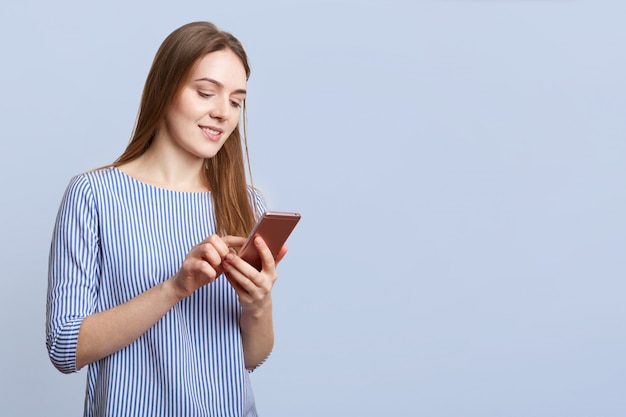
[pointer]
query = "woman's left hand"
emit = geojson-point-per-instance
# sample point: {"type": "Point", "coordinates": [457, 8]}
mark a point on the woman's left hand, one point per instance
{"type": "Point", "coordinates": [253, 287]}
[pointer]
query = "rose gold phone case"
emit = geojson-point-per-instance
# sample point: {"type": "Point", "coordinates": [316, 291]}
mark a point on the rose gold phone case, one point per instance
{"type": "Point", "coordinates": [274, 227]}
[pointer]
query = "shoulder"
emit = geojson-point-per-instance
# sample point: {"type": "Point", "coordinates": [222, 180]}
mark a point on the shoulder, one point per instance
{"type": "Point", "coordinates": [257, 200]}
{"type": "Point", "coordinates": [84, 187]}
{"type": "Point", "coordinates": [96, 180]}
{"type": "Point", "coordinates": [93, 177]}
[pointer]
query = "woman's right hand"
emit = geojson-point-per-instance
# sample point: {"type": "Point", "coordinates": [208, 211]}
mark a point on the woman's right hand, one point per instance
{"type": "Point", "coordinates": [106, 332]}
{"type": "Point", "coordinates": [203, 264]}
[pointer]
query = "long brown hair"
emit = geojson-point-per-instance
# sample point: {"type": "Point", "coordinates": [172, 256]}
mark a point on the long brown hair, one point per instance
{"type": "Point", "coordinates": [172, 65]}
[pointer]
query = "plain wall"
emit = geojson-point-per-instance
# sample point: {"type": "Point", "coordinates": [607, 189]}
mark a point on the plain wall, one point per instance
{"type": "Point", "coordinates": [459, 166]}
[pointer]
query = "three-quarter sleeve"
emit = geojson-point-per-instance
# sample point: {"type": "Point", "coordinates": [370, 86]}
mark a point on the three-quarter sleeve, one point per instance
{"type": "Point", "coordinates": [73, 272]}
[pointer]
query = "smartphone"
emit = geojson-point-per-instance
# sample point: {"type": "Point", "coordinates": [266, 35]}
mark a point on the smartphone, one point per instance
{"type": "Point", "coordinates": [274, 227]}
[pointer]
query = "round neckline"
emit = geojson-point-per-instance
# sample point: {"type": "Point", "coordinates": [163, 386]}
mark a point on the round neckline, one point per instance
{"type": "Point", "coordinates": [156, 187]}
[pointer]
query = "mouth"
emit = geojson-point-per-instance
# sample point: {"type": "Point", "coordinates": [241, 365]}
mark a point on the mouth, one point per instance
{"type": "Point", "coordinates": [213, 133]}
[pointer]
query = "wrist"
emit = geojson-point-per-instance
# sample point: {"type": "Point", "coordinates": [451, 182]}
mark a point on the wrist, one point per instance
{"type": "Point", "coordinates": [170, 291]}
{"type": "Point", "coordinates": [258, 310]}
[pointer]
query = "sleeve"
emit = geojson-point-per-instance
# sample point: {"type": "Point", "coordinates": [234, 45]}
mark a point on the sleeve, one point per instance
{"type": "Point", "coordinates": [73, 272]}
{"type": "Point", "coordinates": [259, 206]}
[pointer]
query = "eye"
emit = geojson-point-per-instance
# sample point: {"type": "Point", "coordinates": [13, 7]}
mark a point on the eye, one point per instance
{"type": "Point", "coordinates": [204, 94]}
{"type": "Point", "coordinates": [235, 103]}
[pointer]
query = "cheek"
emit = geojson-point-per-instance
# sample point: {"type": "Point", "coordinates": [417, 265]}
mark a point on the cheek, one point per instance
{"type": "Point", "coordinates": [184, 106]}
{"type": "Point", "coordinates": [233, 128]}
{"type": "Point", "coordinates": [235, 121]}
{"type": "Point", "coordinates": [173, 113]}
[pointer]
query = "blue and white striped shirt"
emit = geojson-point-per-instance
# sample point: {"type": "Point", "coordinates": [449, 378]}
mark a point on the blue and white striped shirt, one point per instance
{"type": "Point", "coordinates": [114, 238]}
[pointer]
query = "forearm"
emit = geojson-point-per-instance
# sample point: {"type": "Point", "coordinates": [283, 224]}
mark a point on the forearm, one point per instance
{"type": "Point", "coordinates": [104, 333]}
{"type": "Point", "coordinates": [257, 334]}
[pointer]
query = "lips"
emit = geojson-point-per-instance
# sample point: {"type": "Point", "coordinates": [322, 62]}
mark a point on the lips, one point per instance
{"type": "Point", "coordinates": [213, 133]}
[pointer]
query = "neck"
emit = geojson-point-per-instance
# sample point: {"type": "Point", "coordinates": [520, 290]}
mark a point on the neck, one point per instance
{"type": "Point", "coordinates": [168, 168]}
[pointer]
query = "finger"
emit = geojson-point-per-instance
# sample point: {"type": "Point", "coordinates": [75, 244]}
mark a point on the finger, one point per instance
{"type": "Point", "coordinates": [235, 284]}
{"type": "Point", "coordinates": [251, 290]}
{"type": "Point", "coordinates": [219, 244]}
{"type": "Point", "coordinates": [207, 271]}
{"type": "Point", "coordinates": [267, 259]}
{"type": "Point", "coordinates": [243, 286]}
{"type": "Point", "coordinates": [198, 271]}
{"type": "Point", "coordinates": [208, 253]}
{"type": "Point", "coordinates": [241, 271]}
{"type": "Point", "coordinates": [248, 277]}
{"type": "Point", "coordinates": [234, 241]}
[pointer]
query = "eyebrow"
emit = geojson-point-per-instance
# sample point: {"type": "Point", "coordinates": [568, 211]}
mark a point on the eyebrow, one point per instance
{"type": "Point", "coordinates": [219, 84]}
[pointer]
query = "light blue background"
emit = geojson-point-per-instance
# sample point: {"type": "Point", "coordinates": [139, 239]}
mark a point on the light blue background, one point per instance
{"type": "Point", "coordinates": [460, 169]}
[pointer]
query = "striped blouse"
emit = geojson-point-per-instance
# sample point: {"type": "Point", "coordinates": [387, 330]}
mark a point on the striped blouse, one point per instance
{"type": "Point", "coordinates": [114, 238]}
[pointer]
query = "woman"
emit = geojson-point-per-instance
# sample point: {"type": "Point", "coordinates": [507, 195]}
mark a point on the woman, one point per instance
{"type": "Point", "coordinates": [138, 249]}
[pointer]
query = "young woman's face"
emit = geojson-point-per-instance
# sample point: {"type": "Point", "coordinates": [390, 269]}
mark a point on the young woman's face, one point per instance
{"type": "Point", "coordinates": [207, 109]}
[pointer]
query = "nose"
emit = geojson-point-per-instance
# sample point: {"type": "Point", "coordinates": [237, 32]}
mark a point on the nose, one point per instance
{"type": "Point", "coordinates": [220, 109]}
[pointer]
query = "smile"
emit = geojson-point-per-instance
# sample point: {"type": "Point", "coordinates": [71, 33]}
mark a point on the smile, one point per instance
{"type": "Point", "coordinates": [211, 133]}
